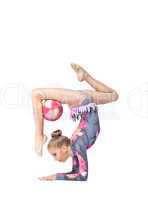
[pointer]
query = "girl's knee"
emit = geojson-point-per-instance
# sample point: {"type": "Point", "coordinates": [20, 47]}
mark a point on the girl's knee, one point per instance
{"type": "Point", "coordinates": [115, 96]}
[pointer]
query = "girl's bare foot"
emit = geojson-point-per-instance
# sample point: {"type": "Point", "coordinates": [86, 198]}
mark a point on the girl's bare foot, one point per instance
{"type": "Point", "coordinates": [81, 73]}
{"type": "Point", "coordinates": [39, 142]}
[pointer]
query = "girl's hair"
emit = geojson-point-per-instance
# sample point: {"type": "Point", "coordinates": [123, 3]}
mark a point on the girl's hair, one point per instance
{"type": "Point", "coordinates": [58, 140]}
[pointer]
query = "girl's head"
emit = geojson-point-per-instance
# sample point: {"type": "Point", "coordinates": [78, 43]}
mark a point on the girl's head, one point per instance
{"type": "Point", "coordinates": [59, 146]}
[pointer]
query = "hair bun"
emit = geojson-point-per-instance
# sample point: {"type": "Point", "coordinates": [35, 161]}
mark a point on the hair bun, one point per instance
{"type": "Point", "coordinates": [56, 134]}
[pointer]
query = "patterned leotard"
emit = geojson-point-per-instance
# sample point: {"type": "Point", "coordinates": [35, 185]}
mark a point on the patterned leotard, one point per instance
{"type": "Point", "coordinates": [82, 139]}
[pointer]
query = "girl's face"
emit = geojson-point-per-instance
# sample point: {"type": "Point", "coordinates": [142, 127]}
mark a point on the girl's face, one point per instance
{"type": "Point", "coordinates": [60, 154]}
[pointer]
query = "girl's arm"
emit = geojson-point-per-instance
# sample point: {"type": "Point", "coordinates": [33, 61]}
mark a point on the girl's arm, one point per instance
{"type": "Point", "coordinates": [75, 175]}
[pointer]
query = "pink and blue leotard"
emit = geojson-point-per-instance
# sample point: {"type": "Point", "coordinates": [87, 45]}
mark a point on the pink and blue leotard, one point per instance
{"type": "Point", "coordinates": [82, 139]}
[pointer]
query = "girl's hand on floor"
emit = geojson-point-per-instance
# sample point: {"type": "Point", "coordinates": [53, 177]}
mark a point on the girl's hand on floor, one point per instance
{"type": "Point", "coordinates": [47, 178]}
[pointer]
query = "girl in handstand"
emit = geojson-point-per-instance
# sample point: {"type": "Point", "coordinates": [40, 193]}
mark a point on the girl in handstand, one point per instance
{"type": "Point", "coordinates": [83, 105]}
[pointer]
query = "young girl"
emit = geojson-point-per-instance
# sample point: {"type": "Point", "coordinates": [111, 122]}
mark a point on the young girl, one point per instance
{"type": "Point", "coordinates": [83, 105]}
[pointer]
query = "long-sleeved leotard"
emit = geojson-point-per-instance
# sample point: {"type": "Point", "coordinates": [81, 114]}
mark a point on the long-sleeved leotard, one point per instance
{"type": "Point", "coordinates": [82, 139]}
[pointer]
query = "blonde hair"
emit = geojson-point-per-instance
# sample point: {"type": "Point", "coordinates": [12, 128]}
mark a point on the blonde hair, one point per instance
{"type": "Point", "coordinates": [58, 140]}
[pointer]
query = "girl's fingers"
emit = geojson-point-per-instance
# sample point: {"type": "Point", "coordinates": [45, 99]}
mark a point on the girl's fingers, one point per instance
{"type": "Point", "coordinates": [42, 178]}
{"type": "Point", "coordinates": [45, 178]}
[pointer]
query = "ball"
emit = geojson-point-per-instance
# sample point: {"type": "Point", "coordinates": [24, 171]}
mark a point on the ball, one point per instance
{"type": "Point", "coordinates": [52, 110]}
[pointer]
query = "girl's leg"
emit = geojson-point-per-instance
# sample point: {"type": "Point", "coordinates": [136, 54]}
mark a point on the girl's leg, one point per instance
{"type": "Point", "coordinates": [102, 94]}
{"type": "Point", "coordinates": [102, 97]}
{"type": "Point", "coordinates": [65, 96]}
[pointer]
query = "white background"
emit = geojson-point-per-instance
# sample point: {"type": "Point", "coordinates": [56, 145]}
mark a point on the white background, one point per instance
{"type": "Point", "coordinates": [38, 40]}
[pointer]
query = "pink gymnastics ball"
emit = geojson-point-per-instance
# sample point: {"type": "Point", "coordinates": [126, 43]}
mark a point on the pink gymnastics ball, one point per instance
{"type": "Point", "coordinates": [52, 110]}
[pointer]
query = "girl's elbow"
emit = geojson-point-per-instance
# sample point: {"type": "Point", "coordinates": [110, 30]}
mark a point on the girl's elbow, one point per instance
{"type": "Point", "coordinates": [84, 178]}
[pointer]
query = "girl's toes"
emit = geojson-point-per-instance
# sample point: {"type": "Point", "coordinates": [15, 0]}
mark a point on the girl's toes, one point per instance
{"type": "Point", "coordinates": [75, 67]}
{"type": "Point", "coordinates": [39, 144]}
{"type": "Point", "coordinates": [80, 71]}
{"type": "Point", "coordinates": [38, 149]}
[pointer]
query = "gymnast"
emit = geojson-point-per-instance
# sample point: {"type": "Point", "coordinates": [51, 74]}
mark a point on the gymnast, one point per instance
{"type": "Point", "coordinates": [83, 106]}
